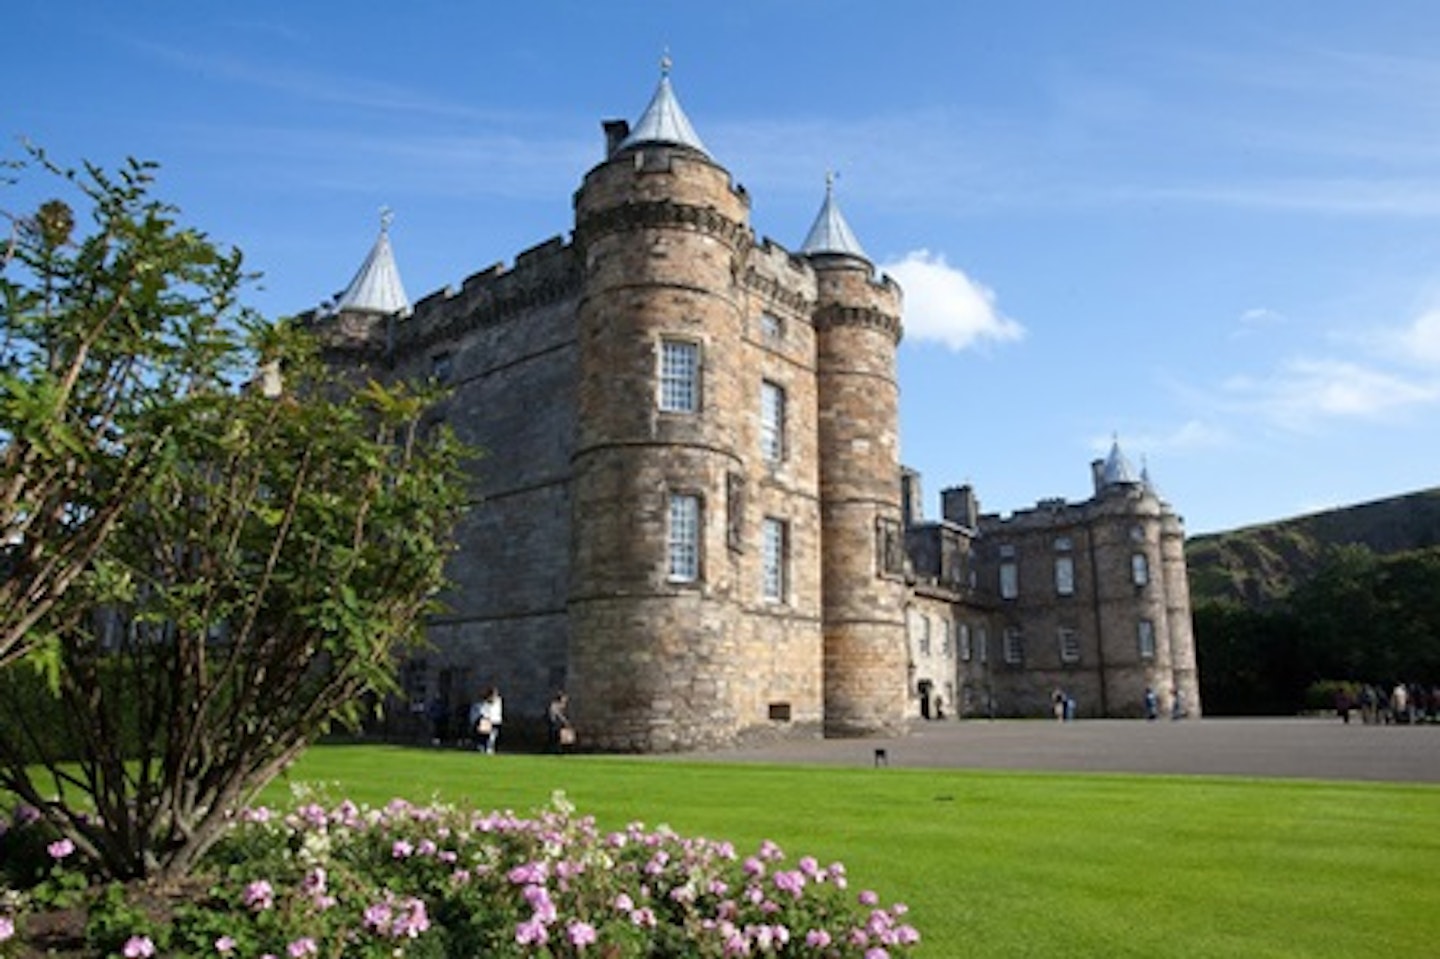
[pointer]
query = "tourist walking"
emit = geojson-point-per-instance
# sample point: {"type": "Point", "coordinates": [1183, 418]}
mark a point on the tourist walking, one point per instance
{"type": "Point", "coordinates": [488, 714]}
{"type": "Point", "coordinates": [557, 718]}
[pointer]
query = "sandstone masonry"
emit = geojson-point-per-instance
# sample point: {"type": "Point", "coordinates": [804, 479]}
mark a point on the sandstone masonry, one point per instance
{"type": "Point", "coordinates": [691, 513]}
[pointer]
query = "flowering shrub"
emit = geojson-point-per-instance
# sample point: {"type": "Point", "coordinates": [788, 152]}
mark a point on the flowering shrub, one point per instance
{"type": "Point", "coordinates": [435, 881]}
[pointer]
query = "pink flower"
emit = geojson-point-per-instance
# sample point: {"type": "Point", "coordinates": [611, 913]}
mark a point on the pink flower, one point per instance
{"type": "Point", "coordinates": [817, 939]}
{"type": "Point", "coordinates": [532, 932]}
{"type": "Point", "coordinates": [259, 895]}
{"type": "Point", "coordinates": [225, 945]}
{"type": "Point", "coordinates": [581, 934]}
{"type": "Point", "coordinates": [302, 947]}
{"type": "Point", "coordinates": [60, 848]}
{"type": "Point", "coordinates": [138, 947]}
{"type": "Point", "coordinates": [876, 953]}
{"type": "Point", "coordinates": [7, 928]}
{"type": "Point", "coordinates": [413, 921]}
{"type": "Point", "coordinates": [868, 898]}
{"type": "Point", "coordinates": [401, 849]}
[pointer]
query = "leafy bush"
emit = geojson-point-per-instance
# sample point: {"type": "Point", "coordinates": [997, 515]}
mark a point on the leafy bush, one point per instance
{"type": "Point", "coordinates": [428, 882]}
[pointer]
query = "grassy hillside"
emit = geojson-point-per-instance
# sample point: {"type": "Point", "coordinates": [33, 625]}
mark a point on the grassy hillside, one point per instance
{"type": "Point", "coordinates": [1258, 564]}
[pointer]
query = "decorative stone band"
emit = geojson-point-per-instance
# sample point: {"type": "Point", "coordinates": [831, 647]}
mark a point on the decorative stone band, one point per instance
{"type": "Point", "coordinates": [665, 213]}
{"type": "Point", "coordinates": [832, 315]}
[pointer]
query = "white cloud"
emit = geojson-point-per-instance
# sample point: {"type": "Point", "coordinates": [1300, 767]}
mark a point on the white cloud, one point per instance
{"type": "Point", "coordinates": [1306, 390]}
{"type": "Point", "coordinates": [1420, 342]}
{"type": "Point", "coordinates": [1188, 436]}
{"type": "Point", "coordinates": [944, 305]}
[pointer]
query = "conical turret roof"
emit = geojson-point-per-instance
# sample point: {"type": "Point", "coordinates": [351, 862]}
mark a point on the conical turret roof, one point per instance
{"type": "Point", "coordinates": [830, 233]}
{"type": "Point", "coordinates": [377, 287]}
{"type": "Point", "coordinates": [663, 121]}
{"type": "Point", "coordinates": [1117, 470]}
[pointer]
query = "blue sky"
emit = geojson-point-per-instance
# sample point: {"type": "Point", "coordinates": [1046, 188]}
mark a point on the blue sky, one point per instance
{"type": "Point", "coordinates": [1210, 229]}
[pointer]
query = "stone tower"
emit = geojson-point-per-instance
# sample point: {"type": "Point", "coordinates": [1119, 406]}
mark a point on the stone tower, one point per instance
{"type": "Point", "coordinates": [661, 234]}
{"type": "Point", "coordinates": [857, 328]}
{"type": "Point", "coordinates": [1141, 593]}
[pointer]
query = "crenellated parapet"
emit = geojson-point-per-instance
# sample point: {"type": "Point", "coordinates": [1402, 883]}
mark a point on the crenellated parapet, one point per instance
{"type": "Point", "coordinates": [543, 275]}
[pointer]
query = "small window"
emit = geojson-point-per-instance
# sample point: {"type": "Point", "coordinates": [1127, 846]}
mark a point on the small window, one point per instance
{"type": "Point", "coordinates": [982, 645]}
{"type": "Point", "coordinates": [780, 712]}
{"type": "Point", "coordinates": [1139, 569]}
{"type": "Point", "coordinates": [962, 639]}
{"type": "Point", "coordinates": [1062, 544]}
{"type": "Point", "coordinates": [772, 327]}
{"type": "Point", "coordinates": [945, 648]}
{"type": "Point", "coordinates": [1065, 575]}
{"type": "Point", "coordinates": [684, 538]}
{"type": "Point", "coordinates": [1007, 551]}
{"type": "Point", "coordinates": [773, 550]}
{"type": "Point", "coordinates": [442, 366]}
{"type": "Point", "coordinates": [1069, 645]}
{"type": "Point", "coordinates": [1009, 580]}
{"type": "Point", "coordinates": [1145, 636]}
{"type": "Point", "coordinates": [679, 376]}
{"type": "Point", "coordinates": [1014, 646]}
{"type": "Point", "coordinates": [772, 421]}
{"type": "Point", "coordinates": [924, 623]}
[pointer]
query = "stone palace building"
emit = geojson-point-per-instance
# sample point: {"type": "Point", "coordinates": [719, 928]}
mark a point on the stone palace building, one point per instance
{"type": "Point", "coordinates": [691, 513]}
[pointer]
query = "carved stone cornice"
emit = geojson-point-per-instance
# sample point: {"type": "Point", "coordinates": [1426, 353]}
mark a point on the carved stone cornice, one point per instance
{"type": "Point", "coordinates": [833, 315]}
{"type": "Point", "coordinates": [772, 289]}
{"type": "Point", "coordinates": [662, 213]}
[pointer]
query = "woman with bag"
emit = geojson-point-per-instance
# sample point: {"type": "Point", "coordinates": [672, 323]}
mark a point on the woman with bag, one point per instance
{"type": "Point", "coordinates": [486, 714]}
{"type": "Point", "coordinates": [562, 735]}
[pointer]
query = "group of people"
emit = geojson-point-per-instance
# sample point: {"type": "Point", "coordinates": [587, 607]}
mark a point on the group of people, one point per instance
{"type": "Point", "coordinates": [1177, 704]}
{"type": "Point", "coordinates": [1402, 704]}
{"type": "Point", "coordinates": [487, 715]}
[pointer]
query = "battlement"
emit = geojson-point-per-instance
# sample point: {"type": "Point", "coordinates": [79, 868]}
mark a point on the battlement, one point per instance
{"type": "Point", "coordinates": [545, 273]}
{"type": "Point", "coordinates": [781, 276]}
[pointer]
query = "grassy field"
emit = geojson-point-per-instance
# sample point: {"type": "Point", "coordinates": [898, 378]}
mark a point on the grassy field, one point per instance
{"type": "Point", "coordinates": [1011, 864]}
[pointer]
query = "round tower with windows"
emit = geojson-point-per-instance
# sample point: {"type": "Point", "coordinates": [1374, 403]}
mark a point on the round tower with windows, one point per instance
{"type": "Point", "coordinates": [661, 232]}
{"type": "Point", "coordinates": [857, 329]}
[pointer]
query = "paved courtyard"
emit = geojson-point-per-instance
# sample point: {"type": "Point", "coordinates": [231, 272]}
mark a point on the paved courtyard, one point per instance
{"type": "Point", "coordinates": [1297, 748]}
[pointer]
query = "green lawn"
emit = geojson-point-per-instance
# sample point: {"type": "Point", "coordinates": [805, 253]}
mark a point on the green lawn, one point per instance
{"type": "Point", "coordinates": [1011, 864]}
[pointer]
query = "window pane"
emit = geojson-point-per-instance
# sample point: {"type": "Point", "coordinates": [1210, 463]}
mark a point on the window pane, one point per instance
{"type": "Point", "coordinates": [773, 560]}
{"type": "Point", "coordinates": [772, 422]}
{"type": "Point", "coordinates": [1014, 646]}
{"type": "Point", "coordinates": [1140, 569]}
{"type": "Point", "coordinates": [771, 326]}
{"type": "Point", "coordinates": [679, 363]}
{"type": "Point", "coordinates": [1069, 645]}
{"type": "Point", "coordinates": [1064, 575]}
{"type": "Point", "coordinates": [684, 544]}
{"type": "Point", "coordinates": [1146, 637]}
{"type": "Point", "coordinates": [1009, 581]}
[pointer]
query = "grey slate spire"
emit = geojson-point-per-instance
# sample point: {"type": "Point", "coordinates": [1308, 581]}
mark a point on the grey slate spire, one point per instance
{"type": "Point", "coordinates": [663, 121]}
{"type": "Point", "coordinates": [377, 287]}
{"type": "Point", "coordinates": [830, 233]}
{"type": "Point", "coordinates": [1118, 471]}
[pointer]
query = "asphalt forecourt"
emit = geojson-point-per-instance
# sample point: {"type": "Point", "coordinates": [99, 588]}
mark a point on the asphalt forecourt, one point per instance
{"type": "Point", "coordinates": [1289, 748]}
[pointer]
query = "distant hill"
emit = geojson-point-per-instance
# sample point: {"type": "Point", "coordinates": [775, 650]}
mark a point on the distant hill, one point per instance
{"type": "Point", "coordinates": [1256, 565]}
